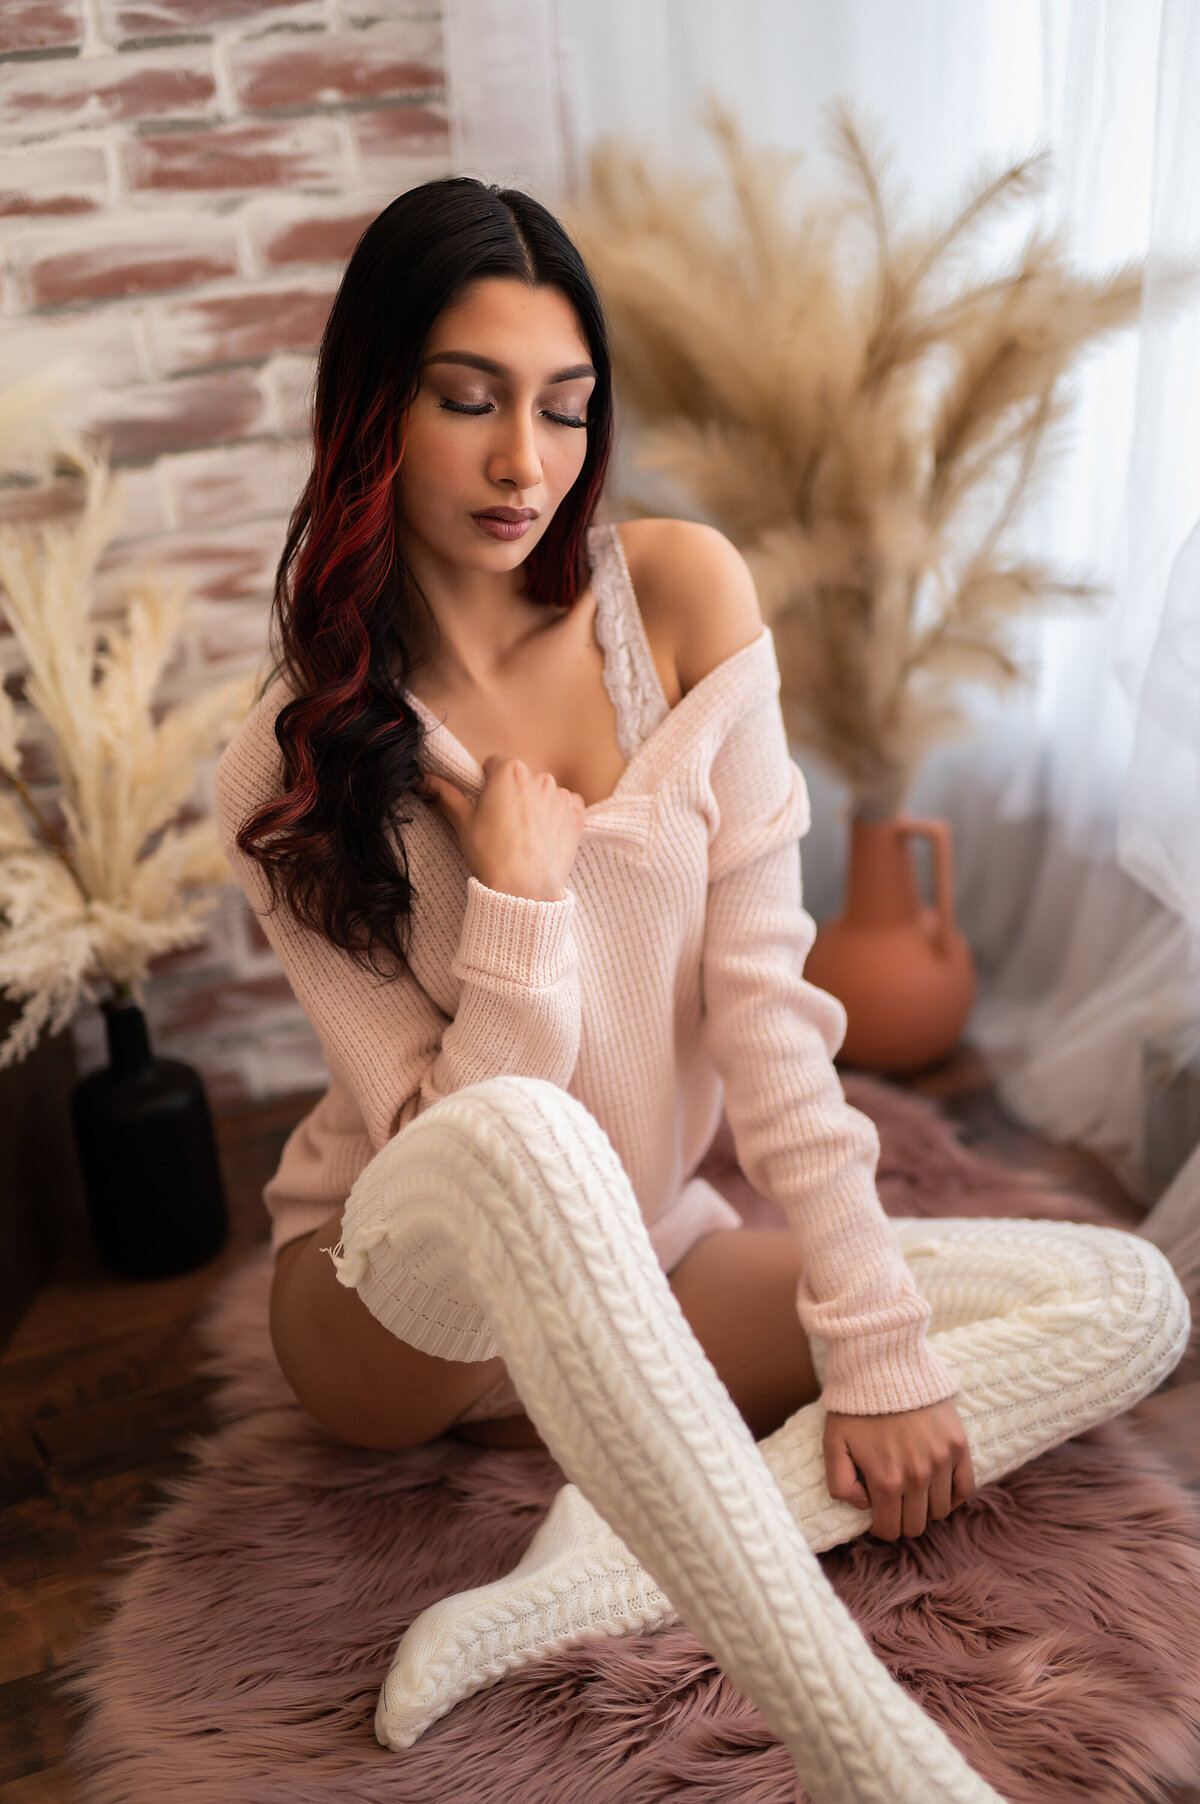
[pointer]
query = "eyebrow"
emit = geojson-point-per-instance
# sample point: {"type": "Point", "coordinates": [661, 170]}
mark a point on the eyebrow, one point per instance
{"type": "Point", "coordinates": [500, 369]}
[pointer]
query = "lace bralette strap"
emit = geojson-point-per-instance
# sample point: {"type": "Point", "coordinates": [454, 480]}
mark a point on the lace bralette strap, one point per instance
{"type": "Point", "coordinates": [630, 673]}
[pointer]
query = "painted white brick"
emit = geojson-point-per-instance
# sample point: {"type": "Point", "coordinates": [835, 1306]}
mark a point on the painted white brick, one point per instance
{"type": "Point", "coordinates": [236, 564]}
{"type": "Point", "coordinates": [233, 160]}
{"type": "Point", "coordinates": [146, 508]}
{"type": "Point", "coordinates": [121, 20]}
{"type": "Point", "coordinates": [102, 349]}
{"type": "Point", "coordinates": [40, 25]}
{"type": "Point", "coordinates": [234, 322]}
{"type": "Point", "coordinates": [284, 70]}
{"type": "Point", "coordinates": [228, 637]}
{"type": "Point", "coordinates": [41, 98]}
{"type": "Point", "coordinates": [238, 482]}
{"type": "Point", "coordinates": [59, 502]}
{"type": "Point", "coordinates": [150, 419]}
{"type": "Point", "coordinates": [406, 169]}
{"type": "Point", "coordinates": [287, 383]}
{"type": "Point", "coordinates": [414, 12]}
{"type": "Point", "coordinates": [152, 257]}
{"type": "Point", "coordinates": [284, 1060]}
{"type": "Point", "coordinates": [276, 222]}
{"type": "Point", "coordinates": [74, 262]}
{"type": "Point", "coordinates": [66, 178]}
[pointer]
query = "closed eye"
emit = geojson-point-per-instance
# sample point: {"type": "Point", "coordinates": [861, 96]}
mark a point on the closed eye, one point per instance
{"type": "Point", "coordinates": [561, 419]}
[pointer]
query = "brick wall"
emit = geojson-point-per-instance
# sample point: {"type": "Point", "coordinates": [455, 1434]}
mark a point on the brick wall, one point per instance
{"type": "Point", "coordinates": [180, 184]}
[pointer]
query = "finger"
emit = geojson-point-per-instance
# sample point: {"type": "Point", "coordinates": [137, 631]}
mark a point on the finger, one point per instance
{"type": "Point", "coordinates": [453, 804]}
{"type": "Point", "coordinates": [887, 1497]}
{"type": "Point", "coordinates": [914, 1513]}
{"type": "Point", "coordinates": [841, 1475]}
{"type": "Point", "coordinates": [964, 1479]}
{"type": "Point", "coordinates": [941, 1487]}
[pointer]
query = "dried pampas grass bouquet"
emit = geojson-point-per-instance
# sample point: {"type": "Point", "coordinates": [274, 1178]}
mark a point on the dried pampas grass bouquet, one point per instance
{"type": "Point", "coordinates": [861, 427]}
{"type": "Point", "coordinates": [98, 880]}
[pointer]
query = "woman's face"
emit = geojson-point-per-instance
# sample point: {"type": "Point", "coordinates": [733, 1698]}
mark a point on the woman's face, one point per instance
{"type": "Point", "coordinates": [499, 421]}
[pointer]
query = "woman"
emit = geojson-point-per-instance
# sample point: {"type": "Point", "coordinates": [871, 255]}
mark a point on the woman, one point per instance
{"type": "Point", "coordinates": [517, 810]}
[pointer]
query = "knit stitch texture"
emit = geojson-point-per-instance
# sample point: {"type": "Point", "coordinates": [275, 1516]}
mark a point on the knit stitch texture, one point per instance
{"type": "Point", "coordinates": [1050, 1327]}
{"type": "Point", "coordinates": [521, 1188]}
{"type": "Point", "coordinates": [665, 984]}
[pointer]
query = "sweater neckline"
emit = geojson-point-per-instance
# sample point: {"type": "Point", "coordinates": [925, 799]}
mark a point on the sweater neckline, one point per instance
{"type": "Point", "coordinates": [673, 719]}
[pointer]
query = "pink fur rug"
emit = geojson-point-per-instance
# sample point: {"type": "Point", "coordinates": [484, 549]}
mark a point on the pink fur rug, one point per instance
{"type": "Point", "coordinates": [1051, 1624]}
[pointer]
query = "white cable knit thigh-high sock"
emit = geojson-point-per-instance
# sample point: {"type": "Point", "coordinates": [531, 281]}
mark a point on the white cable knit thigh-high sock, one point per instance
{"type": "Point", "coordinates": [509, 1192]}
{"type": "Point", "coordinates": [1050, 1327]}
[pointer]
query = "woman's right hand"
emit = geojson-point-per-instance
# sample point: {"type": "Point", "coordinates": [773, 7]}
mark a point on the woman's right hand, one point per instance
{"type": "Point", "coordinates": [522, 834]}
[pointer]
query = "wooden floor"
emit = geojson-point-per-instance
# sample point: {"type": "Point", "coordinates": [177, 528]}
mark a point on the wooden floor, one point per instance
{"type": "Point", "coordinates": [98, 1389]}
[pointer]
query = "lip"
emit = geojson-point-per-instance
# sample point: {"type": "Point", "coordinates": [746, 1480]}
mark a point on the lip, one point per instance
{"type": "Point", "coordinates": [497, 526]}
{"type": "Point", "coordinates": [506, 513]}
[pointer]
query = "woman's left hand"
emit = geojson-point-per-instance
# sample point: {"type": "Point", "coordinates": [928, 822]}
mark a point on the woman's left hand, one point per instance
{"type": "Point", "coordinates": [910, 1468]}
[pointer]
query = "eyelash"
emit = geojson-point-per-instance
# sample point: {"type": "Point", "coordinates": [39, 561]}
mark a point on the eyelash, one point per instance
{"type": "Point", "coordinates": [562, 419]}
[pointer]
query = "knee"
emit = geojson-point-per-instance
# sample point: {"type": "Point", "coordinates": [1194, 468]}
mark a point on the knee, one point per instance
{"type": "Point", "coordinates": [1123, 1284]}
{"type": "Point", "coordinates": [502, 1152]}
{"type": "Point", "coordinates": [1052, 1276]}
{"type": "Point", "coordinates": [1148, 1304]}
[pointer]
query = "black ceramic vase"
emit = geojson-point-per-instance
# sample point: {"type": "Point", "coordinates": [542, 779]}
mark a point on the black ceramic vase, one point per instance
{"type": "Point", "coordinates": [148, 1156]}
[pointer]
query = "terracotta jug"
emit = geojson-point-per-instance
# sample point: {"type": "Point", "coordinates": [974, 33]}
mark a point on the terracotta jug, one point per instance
{"type": "Point", "coordinates": [902, 970]}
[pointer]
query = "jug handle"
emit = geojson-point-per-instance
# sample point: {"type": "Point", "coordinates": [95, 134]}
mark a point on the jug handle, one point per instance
{"type": "Point", "coordinates": [938, 834]}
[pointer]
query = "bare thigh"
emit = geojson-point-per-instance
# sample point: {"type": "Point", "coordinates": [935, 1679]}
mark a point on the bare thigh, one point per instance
{"type": "Point", "coordinates": [736, 1287]}
{"type": "Point", "coordinates": [360, 1382]}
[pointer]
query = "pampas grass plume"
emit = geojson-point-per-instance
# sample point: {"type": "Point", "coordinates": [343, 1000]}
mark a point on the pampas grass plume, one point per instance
{"type": "Point", "coordinates": [864, 424]}
{"type": "Point", "coordinates": [126, 876]}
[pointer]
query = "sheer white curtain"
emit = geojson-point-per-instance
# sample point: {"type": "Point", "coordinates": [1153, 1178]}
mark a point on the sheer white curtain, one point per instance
{"type": "Point", "coordinates": [1077, 803]}
{"type": "Point", "coordinates": [1090, 1001]}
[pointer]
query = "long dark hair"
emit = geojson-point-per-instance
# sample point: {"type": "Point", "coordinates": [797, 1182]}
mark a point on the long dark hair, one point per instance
{"type": "Point", "coordinates": [344, 596]}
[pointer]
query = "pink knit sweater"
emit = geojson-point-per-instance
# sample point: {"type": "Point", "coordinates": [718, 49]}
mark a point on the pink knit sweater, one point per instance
{"type": "Point", "coordinates": [665, 984]}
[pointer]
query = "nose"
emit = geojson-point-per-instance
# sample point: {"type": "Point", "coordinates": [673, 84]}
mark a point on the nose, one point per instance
{"type": "Point", "coordinates": [515, 457]}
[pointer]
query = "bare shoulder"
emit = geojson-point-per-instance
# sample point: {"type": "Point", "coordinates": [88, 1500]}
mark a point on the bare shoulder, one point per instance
{"type": "Point", "coordinates": [695, 591]}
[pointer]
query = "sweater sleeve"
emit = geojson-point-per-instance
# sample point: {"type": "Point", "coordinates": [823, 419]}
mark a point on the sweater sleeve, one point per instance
{"type": "Point", "coordinates": [397, 1051]}
{"type": "Point", "coordinates": [772, 1038]}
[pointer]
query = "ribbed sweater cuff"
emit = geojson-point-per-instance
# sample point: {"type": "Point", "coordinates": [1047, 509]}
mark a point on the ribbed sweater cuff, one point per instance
{"type": "Point", "coordinates": [889, 1372]}
{"type": "Point", "coordinates": [516, 938]}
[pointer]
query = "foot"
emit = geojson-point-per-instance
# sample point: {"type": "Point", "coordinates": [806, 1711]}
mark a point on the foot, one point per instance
{"type": "Point", "coordinates": [576, 1582]}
